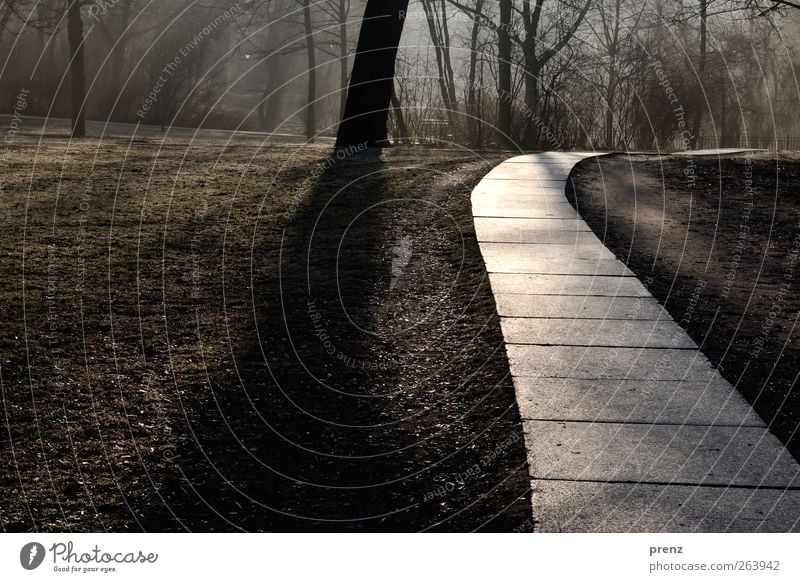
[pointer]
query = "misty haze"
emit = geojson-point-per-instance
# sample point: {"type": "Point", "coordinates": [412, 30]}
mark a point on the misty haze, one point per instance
{"type": "Point", "coordinates": [391, 266]}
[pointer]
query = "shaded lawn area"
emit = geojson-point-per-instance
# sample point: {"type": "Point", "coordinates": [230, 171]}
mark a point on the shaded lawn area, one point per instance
{"type": "Point", "coordinates": [717, 242]}
{"type": "Point", "coordinates": [220, 338]}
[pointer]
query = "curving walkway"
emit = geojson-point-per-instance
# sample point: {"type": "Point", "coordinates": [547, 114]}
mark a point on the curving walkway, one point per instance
{"type": "Point", "coordinates": [628, 427]}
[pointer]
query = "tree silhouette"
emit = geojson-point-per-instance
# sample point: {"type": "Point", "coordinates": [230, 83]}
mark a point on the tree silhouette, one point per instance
{"type": "Point", "coordinates": [51, 14]}
{"type": "Point", "coordinates": [370, 92]}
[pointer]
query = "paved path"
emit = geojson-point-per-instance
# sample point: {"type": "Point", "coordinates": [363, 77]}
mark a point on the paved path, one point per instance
{"type": "Point", "coordinates": [628, 427]}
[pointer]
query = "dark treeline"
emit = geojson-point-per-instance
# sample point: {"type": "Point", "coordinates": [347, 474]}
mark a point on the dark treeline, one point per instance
{"type": "Point", "coordinates": [216, 63]}
{"type": "Point", "coordinates": [603, 73]}
{"type": "Point", "coordinates": [524, 73]}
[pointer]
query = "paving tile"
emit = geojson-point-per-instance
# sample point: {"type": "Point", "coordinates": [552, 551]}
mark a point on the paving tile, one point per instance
{"type": "Point", "coordinates": [577, 285]}
{"type": "Point", "coordinates": [635, 401]}
{"type": "Point", "coordinates": [511, 264]}
{"type": "Point", "coordinates": [569, 506]}
{"type": "Point", "coordinates": [589, 332]}
{"type": "Point", "coordinates": [622, 414]}
{"type": "Point", "coordinates": [494, 233]}
{"type": "Point", "coordinates": [522, 229]}
{"type": "Point", "coordinates": [519, 187]}
{"type": "Point", "coordinates": [501, 198]}
{"type": "Point", "coordinates": [609, 363]}
{"type": "Point", "coordinates": [560, 158]}
{"type": "Point", "coordinates": [544, 210]}
{"type": "Point", "coordinates": [534, 172]}
{"type": "Point", "coordinates": [559, 306]}
{"type": "Point", "coordinates": [594, 250]}
{"type": "Point", "coordinates": [656, 453]}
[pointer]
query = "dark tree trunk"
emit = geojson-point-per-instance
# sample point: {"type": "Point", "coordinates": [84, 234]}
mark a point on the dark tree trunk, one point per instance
{"type": "Point", "coordinates": [77, 83]}
{"type": "Point", "coordinates": [311, 107]}
{"type": "Point", "coordinates": [45, 80]}
{"type": "Point", "coordinates": [725, 140]}
{"type": "Point", "coordinates": [701, 74]}
{"type": "Point", "coordinates": [504, 76]}
{"type": "Point", "coordinates": [611, 92]}
{"type": "Point", "coordinates": [271, 110]}
{"type": "Point", "coordinates": [533, 72]}
{"type": "Point", "coordinates": [370, 93]}
{"type": "Point", "coordinates": [344, 11]}
{"type": "Point", "coordinates": [439, 46]}
{"type": "Point", "coordinates": [117, 44]}
{"type": "Point", "coordinates": [473, 115]}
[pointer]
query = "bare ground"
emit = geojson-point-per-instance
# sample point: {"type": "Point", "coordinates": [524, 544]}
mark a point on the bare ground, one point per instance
{"type": "Point", "coordinates": [219, 338]}
{"type": "Point", "coordinates": [716, 240]}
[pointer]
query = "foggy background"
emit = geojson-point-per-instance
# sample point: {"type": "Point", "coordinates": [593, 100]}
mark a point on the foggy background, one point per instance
{"type": "Point", "coordinates": [615, 74]}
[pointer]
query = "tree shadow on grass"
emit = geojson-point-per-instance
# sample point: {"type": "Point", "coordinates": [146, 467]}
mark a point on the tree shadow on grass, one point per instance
{"type": "Point", "coordinates": [360, 405]}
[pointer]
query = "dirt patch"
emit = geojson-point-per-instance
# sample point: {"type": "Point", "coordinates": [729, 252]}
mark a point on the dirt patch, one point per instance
{"type": "Point", "coordinates": [716, 240]}
{"type": "Point", "coordinates": [235, 338]}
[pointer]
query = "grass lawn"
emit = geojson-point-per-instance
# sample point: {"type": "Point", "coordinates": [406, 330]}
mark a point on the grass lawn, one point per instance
{"type": "Point", "coordinates": [218, 337]}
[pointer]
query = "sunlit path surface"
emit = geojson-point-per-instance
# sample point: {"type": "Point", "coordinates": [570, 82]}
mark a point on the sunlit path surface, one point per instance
{"type": "Point", "coordinates": [628, 426]}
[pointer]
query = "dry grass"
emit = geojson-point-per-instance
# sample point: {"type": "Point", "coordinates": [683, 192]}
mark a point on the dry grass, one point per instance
{"type": "Point", "coordinates": [137, 283]}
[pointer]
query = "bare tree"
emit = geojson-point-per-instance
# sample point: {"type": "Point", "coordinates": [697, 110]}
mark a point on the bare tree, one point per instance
{"type": "Point", "coordinates": [701, 71]}
{"type": "Point", "coordinates": [473, 101]}
{"type": "Point", "coordinates": [505, 100]}
{"type": "Point", "coordinates": [344, 51]}
{"type": "Point", "coordinates": [536, 58]}
{"type": "Point", "coordinates": [333, 24]}
{"type": "Point", "coordinates": [311, 53]}
{"type": "Point", "coordinates": [272, 37]}
{"type": "Point", "coordinates": [481, 21]}
{"type": "Point", "coordinates": [76, 68]}
{"type": "Point", "coordinates": [436, 16]}
{"type": "Point", "coordinates": [50, 14]}
{"type": "Point", "coordinates": [370, 91]}
{"type": "Point", "coordinates": [614, 29]}
{"type": "Point", "coordinates": [114, 29]}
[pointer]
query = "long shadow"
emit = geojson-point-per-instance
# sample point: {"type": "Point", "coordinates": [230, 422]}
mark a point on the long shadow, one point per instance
{"type": "Point", "coordinates": [335, 419]}
{"type": "Point", "coordinates": [722, 291]}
